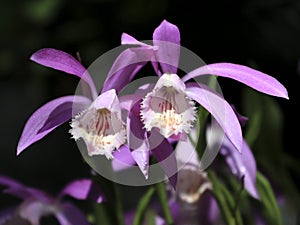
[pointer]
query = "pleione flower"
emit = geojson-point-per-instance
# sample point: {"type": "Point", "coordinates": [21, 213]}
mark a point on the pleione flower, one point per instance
{"type": "Point", "coordinates": [160, 107]}
{"type": "Point", "coordinates": [37, 203]}
{"type": "Point", "coordinates": [168, 107]}
{"type": "Point", "coordinates": [96, 119]}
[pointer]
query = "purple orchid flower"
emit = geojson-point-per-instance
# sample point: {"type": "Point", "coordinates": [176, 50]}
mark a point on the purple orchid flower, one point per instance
{"type": "Point", "coordinates": [168, 109]}
{"type": "Point", "coordinates": [97, 120]}
{"type": "Point", "coordinates": [37, 204]}
{"type": "Point", "coordinates": [169, 106]}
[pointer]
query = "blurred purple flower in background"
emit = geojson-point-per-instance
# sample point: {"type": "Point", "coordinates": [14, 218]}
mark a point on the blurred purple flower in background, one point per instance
{"type": "Point", "coordinates": [37, 204]}
{"type": "Point", "coordinates": [242, 164]}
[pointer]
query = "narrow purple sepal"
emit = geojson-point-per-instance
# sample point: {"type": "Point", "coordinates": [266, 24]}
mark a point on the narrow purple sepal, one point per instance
{"type": "Point", "coordinates": [62, 61]}
{"type": "Point", "coordinates": [126, 66]}
{"type": "Point", "coordinates": [253, 78]}
{"type": "Point", "coordinates": [167, 38]}
{"type": "Point", "coordinates": [83, 189]}
{"type": "Point", "coordinates": [221, 111]}
{"type": "Point", "coordinates": [50, 116]}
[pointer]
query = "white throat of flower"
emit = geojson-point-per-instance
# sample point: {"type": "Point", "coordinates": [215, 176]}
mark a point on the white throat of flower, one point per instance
{"type": "Point", "coordinates": [101, 130]}
{"type": "Point", "coordinates": [168, 108]}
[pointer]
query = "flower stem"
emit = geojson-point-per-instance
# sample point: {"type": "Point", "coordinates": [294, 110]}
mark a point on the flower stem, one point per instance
{"type": "Point", "coordinates": [118, 205]}
{"type": "Point", "coordinates": [162, 195]}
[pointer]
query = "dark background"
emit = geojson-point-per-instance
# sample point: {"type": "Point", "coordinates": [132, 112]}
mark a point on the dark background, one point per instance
{"type": "Point", "coordinates": [261, 33]}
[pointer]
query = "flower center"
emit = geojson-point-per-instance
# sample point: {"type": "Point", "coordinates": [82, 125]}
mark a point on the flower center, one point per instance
{"type": "Point", "coordinates": [101, 130]}
{"type": "Point", "coordinates": [168, 108]}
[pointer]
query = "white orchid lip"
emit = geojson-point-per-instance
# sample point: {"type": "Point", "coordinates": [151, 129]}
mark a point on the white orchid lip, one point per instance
{"type": "Point", "coordinates": [101, 129]}
{"type": "Point", "coordinates": [168, 108]}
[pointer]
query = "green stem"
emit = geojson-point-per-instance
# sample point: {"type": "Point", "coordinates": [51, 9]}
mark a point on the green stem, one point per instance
{"type": "Point", "coordinates": [142, 206]}
{"type": "Point", "coordinates": [162, 195]}
{"type": "Point", "coordinates": [237, 202]}
{"type": "Point", "coordinates": [118, 205]}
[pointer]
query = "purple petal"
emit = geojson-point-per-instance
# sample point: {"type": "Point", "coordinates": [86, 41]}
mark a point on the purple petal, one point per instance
{"type": "Point", "coordinates": [242, 165]}
{"type": "Point", "coordinates": [253, 78]}
{"type": "Point", "coordinates": [129, 62]}
{"type": "Point", "coordinates": [141, 157]}
{"type": "Point", "coordinates": [122, 159]}
{"type": "Point", "coordinates": [167, 38]}
{"type": "Point", "coordinates": [50, 116]}
{"type": "Point", "coordinates": [165, 156]}
{"type": "Point", "coordinates": [137, 139]}
{"type": "Point", "coordinates": [126, 39]}
{"type": "Point", "coordinates": [221, 111]}
{"type": "Point", "coordinates": [83, 189]}
{"type": "Point", "coordinates": [70, 214]}
{"type": "Point", "coordinates": [20, 190]}
{"type": "Point", "coordinates": [62, 61]}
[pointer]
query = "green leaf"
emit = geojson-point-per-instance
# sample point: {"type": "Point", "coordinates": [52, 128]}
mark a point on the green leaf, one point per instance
{"type": "Point", "coordinates": [268, 200]}
{"type": "Point", "coordinates": [142, 206]}
{"type": "Point", "coordinates": [118, 205]}
{"type": "Point", "coordinates": [163, 198]}
{"type": "Point", "coordinates": [264, 133]}
{"type": "Point", "coordinates": [243, 199]}
{"type": "Point", "coordinates": [101, 214]}
{"type": "Point", "coordinates": [151, 217]}
{"type": "Point", "coordinates": [226, 202]}
{"type": "Point", "coordinates": [252, 108]}
{"type": "Point", "coordinates": [111, 210]}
